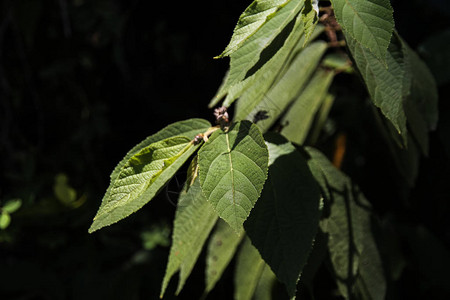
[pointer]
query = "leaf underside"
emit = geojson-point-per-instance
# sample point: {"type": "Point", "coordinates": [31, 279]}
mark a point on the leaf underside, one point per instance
{"type": "Point", "coordinates": [299, 117]}
{"type": "Point", "coordinates": [221, 249]}
{"type": "Point", "coordinates": [351, 244]}
{"type": "Point", "coordinates": [248, 273]}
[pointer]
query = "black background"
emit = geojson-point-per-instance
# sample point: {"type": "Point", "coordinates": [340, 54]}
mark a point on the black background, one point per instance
{"type": "Point", "coordinates": [81, 82]}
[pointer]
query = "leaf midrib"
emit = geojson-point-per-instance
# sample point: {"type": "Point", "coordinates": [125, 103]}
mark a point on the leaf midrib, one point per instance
{"type": "Point", "coordinates": [147, 182]}
{"type": "Point", "coordinates": [231, 174]}
{"type": "Point", "coordinates": [362, 20]}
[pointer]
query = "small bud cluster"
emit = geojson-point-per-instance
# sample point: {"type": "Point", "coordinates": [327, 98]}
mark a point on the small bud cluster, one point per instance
{"type": "Point", "coordinates": [222, 117]}
{"type": "Point", "coordinates": [198, 138]}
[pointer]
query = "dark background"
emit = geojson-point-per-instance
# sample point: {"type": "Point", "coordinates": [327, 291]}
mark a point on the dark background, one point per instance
{"type": "Point", "coordinates": [81, 82]}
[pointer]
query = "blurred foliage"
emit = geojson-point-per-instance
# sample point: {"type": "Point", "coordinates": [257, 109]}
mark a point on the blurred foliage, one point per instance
{"type": "Point", "coordinates": [83, 81]}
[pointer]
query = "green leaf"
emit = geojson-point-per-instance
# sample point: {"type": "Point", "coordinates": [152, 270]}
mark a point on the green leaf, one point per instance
{"type": "Point", "coordinates": [141, 178]}
{"type": "Point", "coordinates": [232, 171]}
{"type": "Point", "coordinates": [351, 244]}
{"type": "Point", "coordinates": [135, 176]}
{"type": "Point", "coordinates": [255, 86]}
{"type": "Point", "coordinates": [248, 54]}
{"type": "Point", "coordinates": [310, 18]}
{"type": "Point", "coordinates": [325, 173]}
{"type": "Point", "coordinates": [287, 88]}
{"type": "Point", "coordinates": [345, 239]}
{"type": "Point", "coordinates": [187, 128]}
{"type": "Point", "coordinates": [5, 220]}
{"type": "Point", "coordinates": [368, 22]}
{"type": "Point", "coordinates": [192, 172]}
{"type": "Point", "coordinates": [249, 269]}
{"type": "Point", "coordinates": [371, 278]}
{"type": "Point", "coordinates": [321, 118]}
{"type": "Point", "coordinates": [12, 205]}
{"type": "Point", "coordinates": [250, 21]}
{"type": "Point", "coordinates": [284, 222]}
{"type": "Point", "coordinates": [221, 249]}
{"type": "Point", "coordinates": [194, 220]}
{"type": "Point", "coordinates": [340, 62]}
{"type": "Point", "coordinates": [265, 285]}
{"type": "Point", "coordinates": [301, 114]}
{"type": "Point", "coordinates": [385, 85]}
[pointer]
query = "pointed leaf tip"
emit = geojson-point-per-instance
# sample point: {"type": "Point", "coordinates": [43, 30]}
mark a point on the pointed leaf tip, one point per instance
{"type": "Point", "coordinates": [186, 129]}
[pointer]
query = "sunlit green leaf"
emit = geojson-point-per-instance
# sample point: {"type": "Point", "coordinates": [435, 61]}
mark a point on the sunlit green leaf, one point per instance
{"type": "Point", "coordinates": [369, 22]}
{"type": "Point", "coordinates": [265, 285]}
{"type": "Point", "coordinates": [279, 59]}
{"type": "Point", "coordinates": [284, 221]}
{"type": "Point", "coordinates": [12, 205]}
{"type": "Point", "coordinates": [248, 272]}
{"type": "Point", "coordinates": [221, 249]}
{"type": "Point", "coordinates": [232, 171]}
{"type": "Point", "coordinates": [248, 54]}
{"type": "Point", "coordinates": [194, 220]}
{"type": "Point", "coordinates": [321, 118]}
{"type": "Point", "coordinates": [286, 89]}
{"type": "Point", "coordinates": [256, 85]}
{"type": "Point", "coordinates": [192, 172]}
{"type": "Point", "coordinates": [187, 129]}
{"type": "Point", "coordinates": [141, 178]}
{"type": "Point", "coordinates": [338, 61]}
{"type": "Point", "coordinates": [251, 20]}
{"type": "Point", "coordinates": [300, 115]}
{"type": "Point", "coordinates": [5, 220]}
{"type": "Point", "coordinates": [310, 17]}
